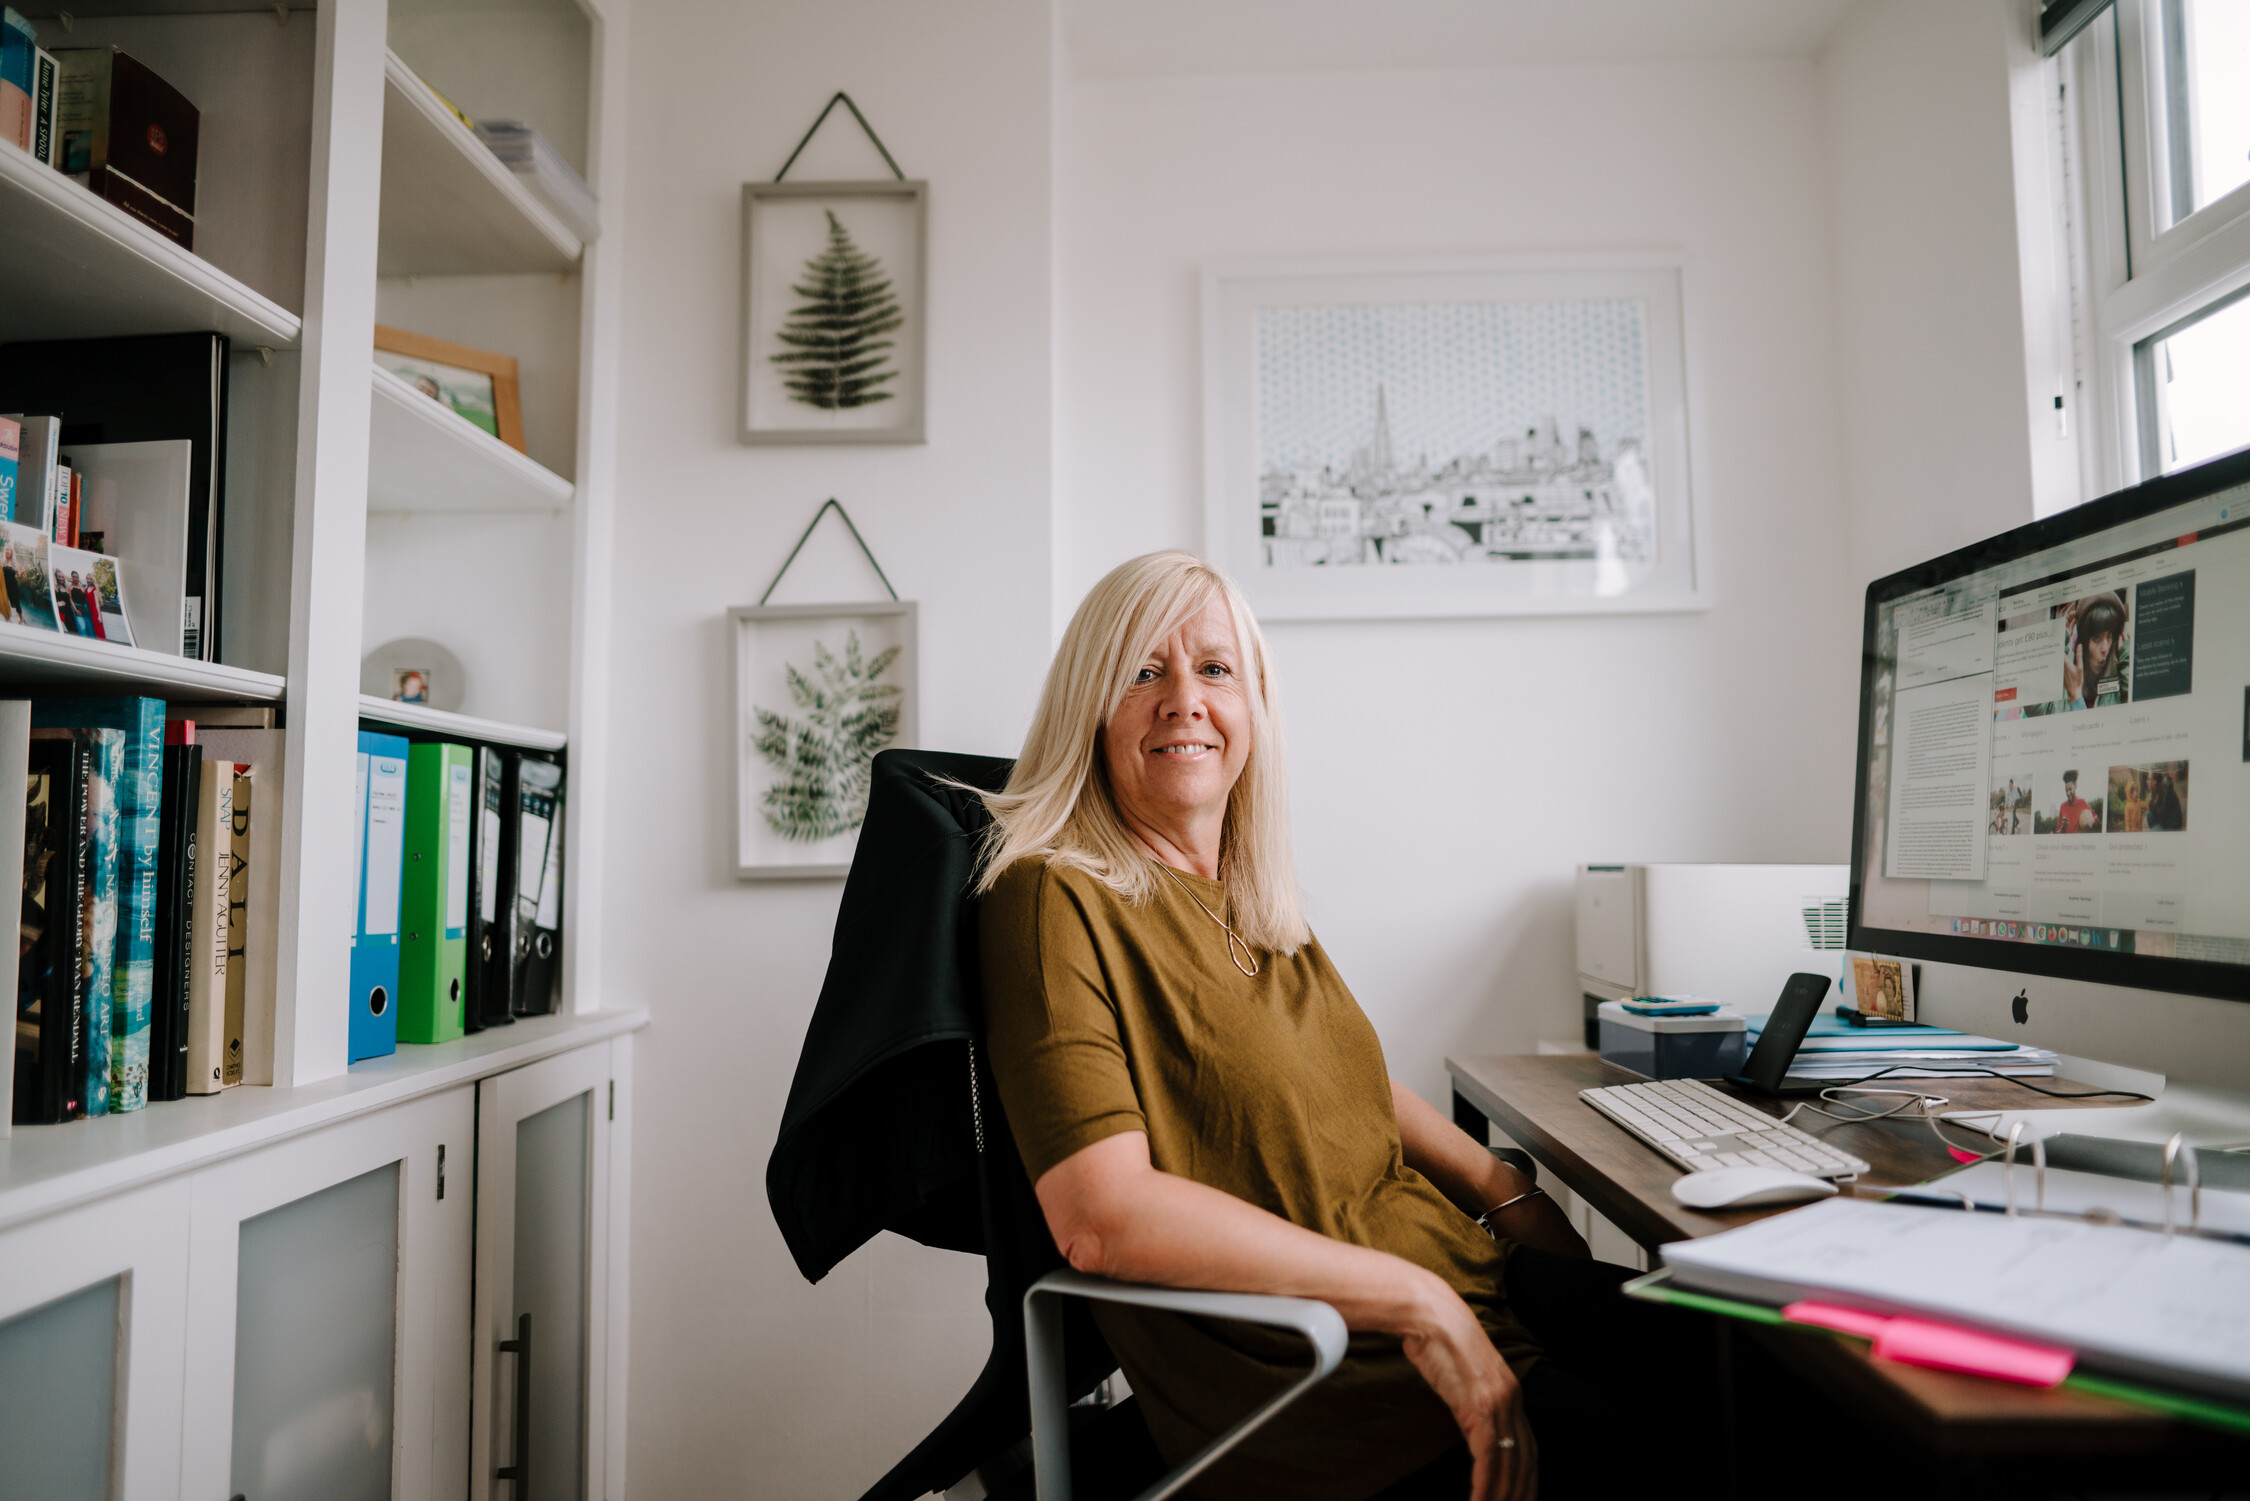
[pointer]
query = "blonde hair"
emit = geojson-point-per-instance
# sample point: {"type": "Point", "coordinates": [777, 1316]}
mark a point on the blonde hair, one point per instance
{"type": "Point", "coordinates": [1058, 804]}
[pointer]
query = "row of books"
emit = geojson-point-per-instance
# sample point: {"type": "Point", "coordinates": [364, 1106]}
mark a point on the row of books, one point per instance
{"type": "Point", "coordinates": [112, 488]}
{"type": "Point", "coordinates": [104, 119]}
{"type": "Point", "coordinates": [458, 917]}
{"type": "Point", "coordinates": [150, 858]}
{"type": "Point", "coordinates": [149, 853]}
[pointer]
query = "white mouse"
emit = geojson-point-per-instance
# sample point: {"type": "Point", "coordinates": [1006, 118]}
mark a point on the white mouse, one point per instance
{"type": "Point", "coordinates": [1743, 1187]}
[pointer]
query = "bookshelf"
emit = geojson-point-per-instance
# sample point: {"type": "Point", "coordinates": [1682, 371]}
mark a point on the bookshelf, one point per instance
{"type": "Point", "coordinates": [449, 207]}
{"type": "Point", "coordinates": [386, 713]}
{"type": "Point", "coordinates": [76, 267]}
{"type": "Point", "coordinates": [423, 457]}
{"type": "Point", "coordinates": [47, 661]}
{"type": "Point", "coordinates": [334, 192]}
{"type": "Point", "coordinates": [332, 184]}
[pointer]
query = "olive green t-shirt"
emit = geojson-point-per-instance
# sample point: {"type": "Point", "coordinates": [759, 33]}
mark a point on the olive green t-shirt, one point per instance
{"type": "Point", "coordinates": [1103, 1017]}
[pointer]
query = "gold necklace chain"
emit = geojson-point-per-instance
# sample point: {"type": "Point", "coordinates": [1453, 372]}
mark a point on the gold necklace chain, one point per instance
{"type": "Point", "coordinates": [1234, 940]}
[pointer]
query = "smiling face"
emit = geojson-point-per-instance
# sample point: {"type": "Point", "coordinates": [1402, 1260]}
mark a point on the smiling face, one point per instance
{"type": "Point", "coordinates": [1177, 743]}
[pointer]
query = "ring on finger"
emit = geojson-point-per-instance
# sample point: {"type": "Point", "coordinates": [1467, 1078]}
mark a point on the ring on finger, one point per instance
{"type": "Point", "coordinates": [1507, 1443]}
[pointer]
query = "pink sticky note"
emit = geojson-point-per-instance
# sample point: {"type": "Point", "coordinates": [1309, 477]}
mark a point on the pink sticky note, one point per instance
{"type": "Point", "coordinates": [1961, 1156]}
{"type": "Point", "coordinates": [1842, 1320]}
{"type": "Point", "coordinates": [1920, 1342]}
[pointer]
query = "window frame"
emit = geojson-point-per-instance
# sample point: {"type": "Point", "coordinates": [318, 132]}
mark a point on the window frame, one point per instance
{"type": "Point", "coordinates": [2141, 277]}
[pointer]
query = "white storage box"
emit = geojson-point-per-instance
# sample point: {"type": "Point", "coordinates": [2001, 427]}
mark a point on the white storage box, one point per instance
{"type": "Point", "coordinates": [1672, 1047]}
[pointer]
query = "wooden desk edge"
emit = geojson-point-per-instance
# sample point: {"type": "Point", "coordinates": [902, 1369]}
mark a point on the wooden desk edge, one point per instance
{"type": "Point", "coordinates": [1649, 1226]}
{"type": "Point", "coordinates": [1945, 1411]}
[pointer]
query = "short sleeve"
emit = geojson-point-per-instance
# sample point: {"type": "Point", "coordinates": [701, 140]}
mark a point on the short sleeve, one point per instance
{"type": "Point", "coordinates": [1051, 1028]}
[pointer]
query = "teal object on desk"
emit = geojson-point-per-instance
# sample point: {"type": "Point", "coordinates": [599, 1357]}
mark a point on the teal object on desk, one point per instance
{"type": "Point", "coordinates": [1656, 1005]}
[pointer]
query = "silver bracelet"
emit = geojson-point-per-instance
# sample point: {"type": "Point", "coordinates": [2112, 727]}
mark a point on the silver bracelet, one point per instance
{"type": "Point", "coordinates": [1484, 1220]}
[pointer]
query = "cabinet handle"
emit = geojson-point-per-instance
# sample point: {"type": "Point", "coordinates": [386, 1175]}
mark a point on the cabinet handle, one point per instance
{"type": "Point", "coordinates": [520, 1348]}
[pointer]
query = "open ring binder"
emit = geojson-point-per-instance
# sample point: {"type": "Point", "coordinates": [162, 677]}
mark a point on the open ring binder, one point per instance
{"type": "Point", "coordinates": [2176, 1151]}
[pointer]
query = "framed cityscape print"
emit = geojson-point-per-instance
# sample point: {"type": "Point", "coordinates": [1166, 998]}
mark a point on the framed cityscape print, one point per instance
{"type": "Point", "coordinates": [832, 311]}
{"type": "Point", "coordinates": [818, 690]}
{"type": "Point", "coordinates": [1488, 436]}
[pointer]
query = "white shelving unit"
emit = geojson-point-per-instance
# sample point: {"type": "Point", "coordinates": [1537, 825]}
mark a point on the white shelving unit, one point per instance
{"type": "Point", "coordinates": [49, 1171]}
{"type": "Point", "coordinates": [38, 659]}
{"type": "Point", "coordinates": [423, 457]}
{"type": "Point", "coordinates": [383, 712]}
{"type": "Point", "coordinates": [449, 207]}
{"type": "Point", "coordinates": [75, 267]}
{"type": "Point", "coordinates": [352, 495]}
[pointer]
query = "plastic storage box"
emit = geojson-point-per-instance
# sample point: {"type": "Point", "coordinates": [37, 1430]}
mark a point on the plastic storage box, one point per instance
{"type": "Point", "coordinates": [1672, 1047]}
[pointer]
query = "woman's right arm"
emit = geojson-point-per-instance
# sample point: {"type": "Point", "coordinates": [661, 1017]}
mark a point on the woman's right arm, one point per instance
{"type": "Point", "coordinates": [1114, 1214]}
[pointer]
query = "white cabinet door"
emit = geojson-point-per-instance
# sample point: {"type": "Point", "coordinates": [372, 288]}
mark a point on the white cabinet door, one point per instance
{"type": "Point", "coordinates": [93, 1307]}
{"type": "Point", "coordinates": [543, 1135]}
{"type": "Point", "coordinates": [329, 1286]}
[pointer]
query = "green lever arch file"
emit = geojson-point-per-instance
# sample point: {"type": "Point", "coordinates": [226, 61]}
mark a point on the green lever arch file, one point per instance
{"type": "Point", "coordinates": [434, 936]}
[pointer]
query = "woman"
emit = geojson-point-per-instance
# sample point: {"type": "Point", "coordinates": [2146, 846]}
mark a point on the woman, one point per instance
{"type": "Point", "coordinates": [1200, 1102]}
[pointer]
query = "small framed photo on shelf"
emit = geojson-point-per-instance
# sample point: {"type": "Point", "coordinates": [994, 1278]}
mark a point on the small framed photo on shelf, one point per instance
{"type": "Point", "coordinates": [818, 690]}
{"type": "Point", "coordinates": [832, 311]}
{"type": "Point", "coordinates": [478, 386]}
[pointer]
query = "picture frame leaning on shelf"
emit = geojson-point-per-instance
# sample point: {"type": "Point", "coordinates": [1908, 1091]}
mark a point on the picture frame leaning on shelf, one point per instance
{"type": "Point", "coordinates": [833, 310]}
{"type": "Point", "coordinates": [480, 387]}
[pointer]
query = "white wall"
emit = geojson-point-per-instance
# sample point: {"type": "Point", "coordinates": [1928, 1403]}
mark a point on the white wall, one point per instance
{"type": "Point", "coordinates": [1914, 107]}
{"type": "Point", "coordinates": [1850, 228]}
{"type": "Point", "coordinates": [1449, 774]}
{"type": "Point", "coordinates": [745, 1381]}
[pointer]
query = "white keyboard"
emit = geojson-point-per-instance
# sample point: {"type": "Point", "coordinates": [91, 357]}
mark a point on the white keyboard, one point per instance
{"type": "Point", "coordinates": [1699, 1128]}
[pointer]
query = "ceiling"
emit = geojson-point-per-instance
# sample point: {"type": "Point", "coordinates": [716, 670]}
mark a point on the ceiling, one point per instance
{"type": "Point", "coordinates": [1170, 38]}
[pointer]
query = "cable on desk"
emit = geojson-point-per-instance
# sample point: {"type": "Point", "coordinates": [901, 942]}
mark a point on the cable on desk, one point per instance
{"type": "Point", "coordinates": [1927, 1105]}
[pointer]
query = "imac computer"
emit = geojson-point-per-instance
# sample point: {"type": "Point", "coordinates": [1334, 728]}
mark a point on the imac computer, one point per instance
{"type": "Point", "coordinates": [2053, 800]}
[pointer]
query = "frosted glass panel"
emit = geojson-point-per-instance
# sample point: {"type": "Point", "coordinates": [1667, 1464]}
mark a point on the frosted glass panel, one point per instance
{"type": "Point", "coordinates": [551, 1179]}
{"type": "Point", "coordinates": [315, 1300]}
{"type": "Point", "coordinates": [58, 1397]}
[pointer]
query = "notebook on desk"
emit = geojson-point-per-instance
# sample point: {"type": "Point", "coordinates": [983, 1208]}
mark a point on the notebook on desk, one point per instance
{"type": "Point", "coordinates": [2170, 1310]}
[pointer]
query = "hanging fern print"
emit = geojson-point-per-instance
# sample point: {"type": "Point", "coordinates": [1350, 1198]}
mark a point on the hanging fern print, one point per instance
{"type": "Point", "coordinates": [837, 359]}
{"type": "Point", "coordinates": [824, 753]}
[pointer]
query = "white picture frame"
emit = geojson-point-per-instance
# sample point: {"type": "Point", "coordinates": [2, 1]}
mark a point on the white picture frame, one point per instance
{"type": "Point", "coordinates": [784, 228]}
{"type": "Point", "coordinates": [768, 641]}
{"type": "Point", "coordinates": [1447, 437]}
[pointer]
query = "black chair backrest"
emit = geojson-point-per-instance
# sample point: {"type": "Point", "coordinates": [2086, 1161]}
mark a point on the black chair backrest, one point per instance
{"type": "Point", "coordinates": [892, 1121]}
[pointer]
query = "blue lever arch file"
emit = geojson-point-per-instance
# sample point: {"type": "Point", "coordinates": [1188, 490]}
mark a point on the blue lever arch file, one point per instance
{"type": "Point", "coordinates": [381, 858]}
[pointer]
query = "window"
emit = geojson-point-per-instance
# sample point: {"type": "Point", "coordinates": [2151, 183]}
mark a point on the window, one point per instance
{"type": "Point", "coordinates": [2197, 375]}
{"type": "Point", "coordinates": [2206, 101]}
{"type": "Point", "coordinates": [2151, 134]}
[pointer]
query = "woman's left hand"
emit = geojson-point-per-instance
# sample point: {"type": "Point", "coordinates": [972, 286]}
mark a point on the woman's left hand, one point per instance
{"type": "Point", "coordinates": [1455, 1356]}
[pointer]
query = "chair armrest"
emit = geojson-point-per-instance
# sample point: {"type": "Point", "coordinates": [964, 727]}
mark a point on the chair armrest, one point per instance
{"type": "Point", "coordinates": [1321, 1325]}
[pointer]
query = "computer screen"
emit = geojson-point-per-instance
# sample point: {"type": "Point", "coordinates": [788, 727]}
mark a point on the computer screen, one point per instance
{"type": "Point", "coordinates": [2054, 746]}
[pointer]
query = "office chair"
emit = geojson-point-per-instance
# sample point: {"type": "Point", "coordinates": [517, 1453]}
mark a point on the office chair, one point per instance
{"type": "Point", "coordinates": [893, 1123]}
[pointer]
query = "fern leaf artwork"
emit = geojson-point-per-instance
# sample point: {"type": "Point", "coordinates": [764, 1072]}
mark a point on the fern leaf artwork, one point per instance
{"type": "Point", "coordinates": [836, 358]}
{"type": "Point", "coordinates": [823, 754]}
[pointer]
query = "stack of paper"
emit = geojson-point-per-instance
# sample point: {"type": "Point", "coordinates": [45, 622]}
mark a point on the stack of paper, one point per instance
{"type": "Point", "coordinates": [1834, 1049]}
{"type": "Point", "coordinates": [525, 152]}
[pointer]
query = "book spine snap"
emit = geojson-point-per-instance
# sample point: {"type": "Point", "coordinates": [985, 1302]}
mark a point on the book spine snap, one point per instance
{"type": "Point", "coordinates": [208, 933]}
{"type": "Point", "coordinates": [238, 925]}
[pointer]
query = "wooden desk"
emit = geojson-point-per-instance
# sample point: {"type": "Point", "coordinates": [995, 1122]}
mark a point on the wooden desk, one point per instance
{"type": "Point", "coordinates": [1534, 1100]}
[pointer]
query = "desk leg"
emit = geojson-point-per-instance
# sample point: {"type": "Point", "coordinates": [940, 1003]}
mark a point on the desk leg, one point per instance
{"type": "Point", "coordinates": [1471, 1119]}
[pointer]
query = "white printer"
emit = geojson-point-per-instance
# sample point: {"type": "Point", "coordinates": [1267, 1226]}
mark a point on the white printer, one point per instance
{"type": "Point", "coordinates": [1729, 933]}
